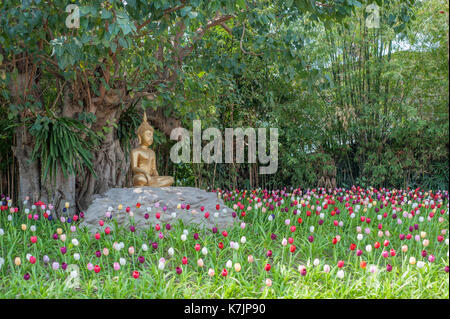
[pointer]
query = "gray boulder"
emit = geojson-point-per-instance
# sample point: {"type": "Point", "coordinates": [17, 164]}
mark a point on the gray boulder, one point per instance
{"type": "Point", "coordinates": [156, 198]}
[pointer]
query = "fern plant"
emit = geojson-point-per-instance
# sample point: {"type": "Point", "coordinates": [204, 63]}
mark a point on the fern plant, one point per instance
{"type": "Point", "coordinates": [64, 141]}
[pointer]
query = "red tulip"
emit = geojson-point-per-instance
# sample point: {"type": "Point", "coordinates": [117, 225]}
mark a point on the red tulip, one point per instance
{"type": "Point", "coordinates": [292, 248]}
{"type": "Point", "coordinates": [267, 267]}
{"type": "Point", "coordinates": [377, 245]}
{"type": "Point", "coordinates": [97, 268]}
{"type": "Point", "coordinates": [107, 230]}
{"type": "Point", "coordinates": [220, 245]}
{"type": "Point", "coordinates": [225, 233]}
{"type": "Point", "coordinates": [97, 236]}
{"type": "Point", "coordinates": [340, 263]}
{"type": "Point", "coordinates": [352, 246]}
{"type": "Point", "coordinates": [136, 273]}
{"type": "Point", "coordinates": [224, 272]}
{"type": "Point", "coordinates": [33, 239]}
{"type": "Point", "coordinates": [184, 260]}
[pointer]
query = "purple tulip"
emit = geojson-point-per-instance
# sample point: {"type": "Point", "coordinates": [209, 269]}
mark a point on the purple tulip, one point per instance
{"type": "Point", "coordinates": [63, 250]}
{"type": "Point", "coordinates": [179, 270]}
{"type": "Point", "coordinates": [388, 267]}
{"type": "Point", "coordinates": [311, 238]}
{"type": "Point", "coordinates": [141, 259]}
{"type": "Point", "coordinates": [168, 226]}
{"type": "Point", "coordinates": [132, 229]}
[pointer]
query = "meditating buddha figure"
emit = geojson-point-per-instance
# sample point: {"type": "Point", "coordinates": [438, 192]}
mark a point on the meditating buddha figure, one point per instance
{"type": "Point", "coordinates": [143, 160]}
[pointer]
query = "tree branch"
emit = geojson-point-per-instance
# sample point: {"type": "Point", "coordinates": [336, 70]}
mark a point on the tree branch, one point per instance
{"type": "Point", "coordinates": [201, 31]}
{"type": "Point", "coordinates": [166, 12]}
{"type": "Point", "coordinates": [241, 45]}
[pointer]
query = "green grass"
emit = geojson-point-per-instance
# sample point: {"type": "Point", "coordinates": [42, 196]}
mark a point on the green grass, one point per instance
{"type": "Point", "coordinates": [404, 281]}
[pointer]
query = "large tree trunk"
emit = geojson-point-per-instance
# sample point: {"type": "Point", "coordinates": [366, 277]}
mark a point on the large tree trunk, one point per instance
{"type": "Point", "coordinates": [109, 163]}
{"type": "Point", "coordinates": [29, 171]}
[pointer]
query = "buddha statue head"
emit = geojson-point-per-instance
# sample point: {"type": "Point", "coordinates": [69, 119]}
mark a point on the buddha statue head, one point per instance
{"type": "Point", "coordinates": [145, 132]}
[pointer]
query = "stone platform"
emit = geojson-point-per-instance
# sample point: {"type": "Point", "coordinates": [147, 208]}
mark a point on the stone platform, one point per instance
{"type": "Point", "coordinates": [156, 198]}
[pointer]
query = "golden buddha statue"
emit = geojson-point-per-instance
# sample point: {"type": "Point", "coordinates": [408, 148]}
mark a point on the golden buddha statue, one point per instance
{"type": "Point", "coordinates": [143, 160]}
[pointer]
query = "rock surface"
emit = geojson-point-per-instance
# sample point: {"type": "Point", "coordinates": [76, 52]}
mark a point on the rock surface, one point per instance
{"type": "Point", "coordinates": [156, 198]}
